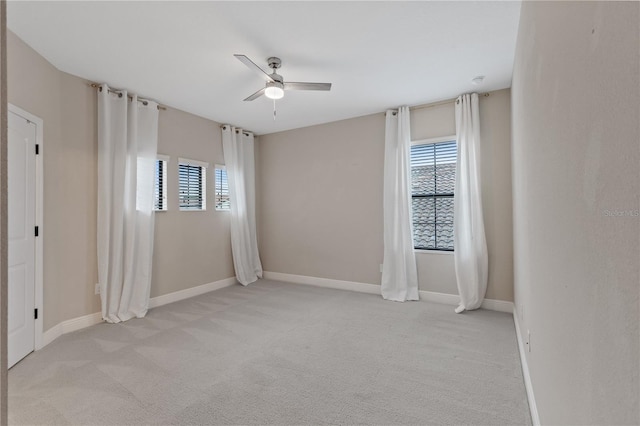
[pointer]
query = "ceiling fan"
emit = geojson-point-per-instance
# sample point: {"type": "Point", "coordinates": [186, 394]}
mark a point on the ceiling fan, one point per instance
{"type": "Point", "coordinates": [275, 86]}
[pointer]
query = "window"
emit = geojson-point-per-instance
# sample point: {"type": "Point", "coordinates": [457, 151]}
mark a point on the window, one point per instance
{"type": "Point", "coordinates": [433, 176]}
{"type": "Point", "coordinates": [160, 184]}
{"type": "Point", "coordinates": [192, 178]}
{"type": "Point", "coordinates": [222, 189]}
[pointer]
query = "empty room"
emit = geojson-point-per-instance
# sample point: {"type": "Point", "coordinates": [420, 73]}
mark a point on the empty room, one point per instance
{"type": "Point", "coordinates": [319, 212]}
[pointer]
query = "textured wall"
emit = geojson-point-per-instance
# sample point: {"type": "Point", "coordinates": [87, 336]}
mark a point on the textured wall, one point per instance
{"type": "Point", "coordinates": [320, 198]}
{"type": "Point", "coordinates": [576, 157]}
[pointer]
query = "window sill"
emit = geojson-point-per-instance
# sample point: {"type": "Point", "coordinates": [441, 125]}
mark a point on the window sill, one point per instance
{"type": "Point", "coordinates": [437, 252]}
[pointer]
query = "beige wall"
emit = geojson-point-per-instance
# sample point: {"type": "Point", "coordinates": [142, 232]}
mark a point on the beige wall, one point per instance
{"type": "Point", "coordinates": [320, 198]}
{"type": "Point", "coordinates": [3, 213]}
{"type": "Point", "coordinates": [192, 248]}
{"type": "Point", "coordinates": [576, 109]}
{"type": "Point", "coordinates": [495, 129]}
{"type": "Point", "coordinates": [70, 185]}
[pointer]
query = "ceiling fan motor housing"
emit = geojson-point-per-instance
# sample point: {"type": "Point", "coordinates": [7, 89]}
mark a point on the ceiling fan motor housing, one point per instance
{"type": "Point", "coordinates": [274, 64]}
{"type": "Point", "coordinates": [275, 84]}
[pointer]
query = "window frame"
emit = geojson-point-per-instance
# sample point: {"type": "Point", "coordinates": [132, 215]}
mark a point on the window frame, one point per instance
{"type": "Point", "coordinates": [215, 186]}
{"type": "Point", "coordinates": [165, 204]}
{"type": "Point", "coordinates": [431, 141]}
{"type": "Point", "coordinates": [194, 163]}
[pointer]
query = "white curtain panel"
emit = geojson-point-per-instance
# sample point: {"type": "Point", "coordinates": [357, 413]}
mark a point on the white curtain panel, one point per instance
{"type": "Point", "coordinates": [238, 147]}
{"type": "Point", "coordinates": [127, 149]}
{"type": "Point", "coordinates": [471, 258]}
{"type": "Point", "coordinates": [399, 272]}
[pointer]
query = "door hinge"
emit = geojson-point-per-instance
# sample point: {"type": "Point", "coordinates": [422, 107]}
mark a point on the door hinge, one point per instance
{"type": "Point", "coordinates": [35, 313]}
{"type": "Point", "coordinates": [37, 149]}
{"type": "Point", "coordinates": [36, 231]}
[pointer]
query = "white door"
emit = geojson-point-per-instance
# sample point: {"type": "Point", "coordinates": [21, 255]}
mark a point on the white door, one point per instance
{"type": "Point", "coordinates": [21, 230]}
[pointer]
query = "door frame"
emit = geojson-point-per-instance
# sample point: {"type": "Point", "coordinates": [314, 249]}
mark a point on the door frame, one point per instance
{"type": "Point", "coordinates": [39, 211]}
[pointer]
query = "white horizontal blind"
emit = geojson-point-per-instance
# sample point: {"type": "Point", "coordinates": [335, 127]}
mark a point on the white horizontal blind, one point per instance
{"type": "Point", "coordinates": [160, 185]}
{"type": "Point", "coordinates": [222, 188]}
{"type": "Point", "coordinates": [433, 176]}
{"type": "Point", "coordinates": [191, 184]}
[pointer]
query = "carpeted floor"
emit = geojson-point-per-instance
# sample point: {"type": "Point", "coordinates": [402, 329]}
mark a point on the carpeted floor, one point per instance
{"type": "Point", "coordinates": [276, 353]}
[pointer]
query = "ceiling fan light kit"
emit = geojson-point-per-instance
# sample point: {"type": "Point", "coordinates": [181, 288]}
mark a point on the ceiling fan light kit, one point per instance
{"type": "Point", "coordinates": [274, 90]}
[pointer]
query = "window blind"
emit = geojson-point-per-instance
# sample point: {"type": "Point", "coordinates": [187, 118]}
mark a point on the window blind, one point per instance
{"type": "Point", "coordinates": [222, 189]}
{"type": "Point", "coordinates": [433, 176]}
{"type": "Point", "coordinates": [191, 186]}
{"type": "Point", "coordinates": [160, 185]}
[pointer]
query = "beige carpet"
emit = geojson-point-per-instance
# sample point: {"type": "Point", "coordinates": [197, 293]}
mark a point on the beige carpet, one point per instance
{"type": "Point", "coordinates": [276, 353]}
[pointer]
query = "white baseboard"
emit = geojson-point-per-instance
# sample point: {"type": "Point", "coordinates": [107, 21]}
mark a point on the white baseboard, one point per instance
{"type": "Point", "coordinates": [497, 305]}
{"type": "Point", "coordinates": [68, 326]}
{"type": "Point", "coordinates": [533, 408]}
{"type": "Point", "coordinates": [81, 322]}
{"type": "Point", "coordinates": [454, 300]}
{"type": "Point", "coordinates": [49, 336]}
{"type": "Point", "coordinates": [323, 282]}
{"type": "Point", "coordinates": [443, 298]}
{"type": "Point", "coordinates": [191, 292]}
{"type": "Point", "coordinates": [429, 296]}
{"type": "Point", "coordinates": [92, 319]}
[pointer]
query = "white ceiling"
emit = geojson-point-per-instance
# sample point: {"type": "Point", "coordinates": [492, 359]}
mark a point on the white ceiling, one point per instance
{"type": "Point", "coordinates": [378, 55]}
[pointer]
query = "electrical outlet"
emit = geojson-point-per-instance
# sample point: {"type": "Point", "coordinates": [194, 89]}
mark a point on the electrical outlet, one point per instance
{"type": "Point", "coordinates": [528, 340]}
{"type": "Point", "coordinates": [97, 288]}
{"type": "Point", "coordinates": [381, 268]}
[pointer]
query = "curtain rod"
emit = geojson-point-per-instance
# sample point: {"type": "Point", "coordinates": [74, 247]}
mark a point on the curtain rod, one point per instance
{"type": "Point", "coordinates": [434, 104]}
{"type": "Point", "coordinates": [222, 126]}
{"type": "Point", "coordinates": [144, 101]}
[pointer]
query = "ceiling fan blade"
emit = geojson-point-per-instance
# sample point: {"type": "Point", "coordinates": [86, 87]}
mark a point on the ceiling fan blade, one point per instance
{"type": "Point", "coordinates": [256, 95]}
{"type": "Point", "coordinates": [249, 63]}
{"type": "Point", "coordinates": [307, 86]}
